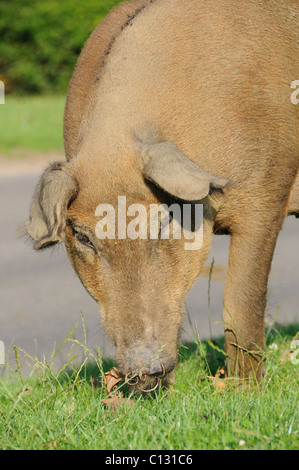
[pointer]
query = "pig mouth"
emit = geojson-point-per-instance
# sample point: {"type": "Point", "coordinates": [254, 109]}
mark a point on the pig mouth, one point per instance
{"type": "Point", "coordinates": [143, 382]}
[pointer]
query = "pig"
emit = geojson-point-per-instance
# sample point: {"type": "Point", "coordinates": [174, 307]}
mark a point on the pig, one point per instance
{"type": "Point", "coordinates": [186, 102]}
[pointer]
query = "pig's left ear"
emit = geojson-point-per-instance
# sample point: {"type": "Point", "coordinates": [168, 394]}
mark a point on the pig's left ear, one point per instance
{"type": "Point", "coordinates": [167, 167]}
{"type": "Point", "coordinates": [56, 189]}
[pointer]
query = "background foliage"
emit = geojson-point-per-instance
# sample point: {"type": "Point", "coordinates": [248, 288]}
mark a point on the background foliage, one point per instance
{"type": "Point", "coordinates": [40, 41]}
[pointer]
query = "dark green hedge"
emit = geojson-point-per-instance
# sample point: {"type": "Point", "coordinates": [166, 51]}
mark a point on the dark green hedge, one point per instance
{"type": "Point", "coordinates": [40, 41]}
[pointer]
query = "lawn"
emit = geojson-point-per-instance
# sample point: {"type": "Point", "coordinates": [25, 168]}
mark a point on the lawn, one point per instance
{"type": "Point", "coordinates": [31, 123]}
{"type": "Point", "coordinates": [62, 410]}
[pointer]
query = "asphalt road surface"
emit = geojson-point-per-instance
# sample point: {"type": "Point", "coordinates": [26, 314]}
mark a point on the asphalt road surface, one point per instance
{"type": "Point", "coordinates": [42, 300]}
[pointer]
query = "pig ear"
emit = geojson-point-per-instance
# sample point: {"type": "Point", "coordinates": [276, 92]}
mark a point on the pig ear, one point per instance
{"type": "Point", "coordinates": [56, 189]}
{"type": "Point", "coordinates": [171, 170]}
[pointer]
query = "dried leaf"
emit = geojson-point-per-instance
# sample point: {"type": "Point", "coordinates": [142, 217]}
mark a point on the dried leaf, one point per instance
{"type": "Point", "coordinates": [219, 372]}
{"type": "Point", "coordinates": [111, 379]}
{"type": "Point", "coordinates": [219, 384]}
{"type": "Point", "coordinates": [114, 402]}
{"type": "Point", "coordinates": [115, 398]}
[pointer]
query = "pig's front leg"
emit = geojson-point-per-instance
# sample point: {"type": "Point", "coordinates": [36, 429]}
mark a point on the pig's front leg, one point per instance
{"type": "Point", "coordinates": [251, 253]}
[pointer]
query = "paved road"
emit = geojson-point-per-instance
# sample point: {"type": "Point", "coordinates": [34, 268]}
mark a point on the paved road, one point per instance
{"type": "Point", "coordinates": [41, 299]}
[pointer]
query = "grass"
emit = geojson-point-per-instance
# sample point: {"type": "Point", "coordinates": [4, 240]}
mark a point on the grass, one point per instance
{"type": "Point", "coordinates": [61, 410]}
{"type": "Point", "coordinates": [31, 123]}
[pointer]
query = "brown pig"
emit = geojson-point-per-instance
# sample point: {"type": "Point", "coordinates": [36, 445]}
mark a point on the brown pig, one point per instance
{"type": "Point", "coordinates": [186, 102]}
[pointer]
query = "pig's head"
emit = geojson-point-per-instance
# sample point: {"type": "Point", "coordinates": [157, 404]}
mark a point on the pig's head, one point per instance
{"type": "Point", "coordinates": [140, 282]}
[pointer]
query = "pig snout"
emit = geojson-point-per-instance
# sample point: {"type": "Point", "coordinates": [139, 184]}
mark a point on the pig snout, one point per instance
{"type": "Point", "coordinates": [146, 366]}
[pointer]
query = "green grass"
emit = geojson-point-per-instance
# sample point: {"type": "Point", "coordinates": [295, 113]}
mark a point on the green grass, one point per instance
{"type": "Point", "coordinates": [61, 410]}
{"type": "Point", "coordinates": [31, 123]}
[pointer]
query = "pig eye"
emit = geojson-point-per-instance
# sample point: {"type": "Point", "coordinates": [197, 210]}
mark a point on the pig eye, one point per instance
{"type": "Point", "coordinates": [163, 227]}
{"type": "Point", "coordinates": [84, 240]}
{"type": "Point", "coordinates": [165, 223]}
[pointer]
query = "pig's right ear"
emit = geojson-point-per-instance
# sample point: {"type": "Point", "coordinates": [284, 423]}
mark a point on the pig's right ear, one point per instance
{"type": "Point", "coordinates": [56, 189]}
{"type": "Point", "coordinates": [167, 167]}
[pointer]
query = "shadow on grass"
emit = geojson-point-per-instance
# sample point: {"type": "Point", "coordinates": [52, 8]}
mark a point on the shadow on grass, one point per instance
{"type": "Point", "coordinates": [211, 352]}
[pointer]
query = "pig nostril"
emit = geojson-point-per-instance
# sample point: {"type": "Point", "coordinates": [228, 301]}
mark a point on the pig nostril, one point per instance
{"type": "Point", "coordinates": [158, 371]}
{"type": "Point", "coordinates": [143, 374]}
{"type": "Point", "coordinates": [161, 376]}
{"type": "Point", "coordinates": [131, 380]}
{"type": "Point", "coordinates": [147, 390]}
